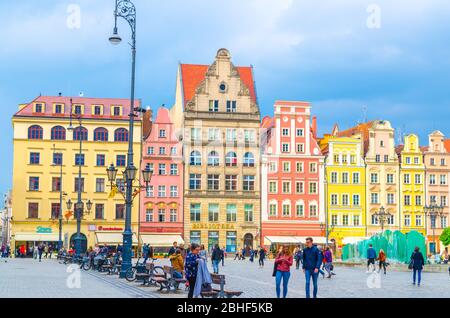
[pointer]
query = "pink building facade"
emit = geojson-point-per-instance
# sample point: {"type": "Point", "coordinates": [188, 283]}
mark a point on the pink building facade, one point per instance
{"type": "Point", "coordinates": [292, 170]}
{"type": "Point", "coordinates": [161, 211]}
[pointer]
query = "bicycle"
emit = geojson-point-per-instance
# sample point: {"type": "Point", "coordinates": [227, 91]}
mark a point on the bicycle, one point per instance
{"type": "Point", "coordinates": [130, 274]}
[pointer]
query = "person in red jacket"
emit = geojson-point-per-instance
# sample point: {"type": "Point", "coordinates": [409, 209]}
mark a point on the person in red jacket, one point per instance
{"type": "Point", "coordinates": [283, 264]}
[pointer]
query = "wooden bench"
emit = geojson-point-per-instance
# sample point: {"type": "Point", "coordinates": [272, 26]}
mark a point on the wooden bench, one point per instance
{"type": "Point", "coordinates": [220, 292]}
{"type": "Point", "coordinates": [145, 277]}
{"type": "Point", "coordinates": [173, 281]}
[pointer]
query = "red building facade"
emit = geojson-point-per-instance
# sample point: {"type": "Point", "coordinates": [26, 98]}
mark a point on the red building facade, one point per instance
{"type": "Point", "coordinates": [292, 170]}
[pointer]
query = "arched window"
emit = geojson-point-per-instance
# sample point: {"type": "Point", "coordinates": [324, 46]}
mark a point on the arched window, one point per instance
{"type": "Point", "coordinates": [100, 134]}
{"type": "Point", "coordinates": [58, 133]}
{"type": "Point", "coordinates": [196, 158]}
{"type": "Point", "coordinates": [35, 132]}
{"type": "Point", "coordinates": [231, 159]}
{"type": "Point", "coordinates": [213, 159]}
{"type": "Point", "coordinates": [80, 133]}
{"type": "Point", "coordinates": [249, 160]}
{"type": "Point", "coordinates": [121, 134]}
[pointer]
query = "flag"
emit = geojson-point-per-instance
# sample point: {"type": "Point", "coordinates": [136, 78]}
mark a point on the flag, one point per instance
{"type": "Point", "coordinates": [113, 192]}
{"type": "Point", "coordinates": [136, 192]}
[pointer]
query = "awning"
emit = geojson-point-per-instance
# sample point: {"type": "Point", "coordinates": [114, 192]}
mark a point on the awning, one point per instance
{"type": "Point", "coordinates": [113, 238]}
{"type": "Point", "coordinates": [161, 240]}
{"type": "Point", "coordinates": [36, 237]}
{"type": "Point", "coordinates": [353, 240]}
{"type": "Point", "coordinates": [316, 239]}
{"type": "Point", "coordinates": [269, 240]}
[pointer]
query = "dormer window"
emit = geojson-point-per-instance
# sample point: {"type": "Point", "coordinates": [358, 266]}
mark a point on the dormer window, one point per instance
{"type": "Point", "coordinates": [214, 106]}
{"type": "Point", "coordinates": [116, 111]}
{"type": "Point", "coordinates": [58, 109]}
{"type": "Point", "coordinates": [98, 110]}
{"type": "Point", "coordinates": [162, 133]}
{"type": "Point", "coordinates": [231, 106]}
{"type": "Point", "coordinates": [38, 108]}
{"type": "Point", "coordinates": [78, 110]}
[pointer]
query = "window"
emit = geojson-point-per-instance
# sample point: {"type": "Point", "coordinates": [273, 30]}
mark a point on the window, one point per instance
{"type": "Point", "coordinates": [374, 178]}
{"type": "Point", "coordinates": [149, 215]}
{"type": "Point", "coordinates": [390, 198]}
{"type": "Point", "coordinates": [58, 133]}
{"type": "Point", "coordinates": [231, 134]}
{"type": "Point", "coordinates": [231, 159]}
{"type": "Point", "coordinates": [285, 132]}
{"type": "Point", "coordinates": [386, 158]}
{"type": "Point", "coordinates": [213, 159]}
{"type": "Point", "coordinates": [56, 209]}
{"type": "Point", "coordinates": [150, 151]}
{"type": "Point", "coordinates": [35, 158]}
{"type": "Point", "coordinates": [273, 187]}
{"type": "Point", "coordinates": [79, 184]}
{"type": "Point", "coordinates": [300, 148]}
{"type": "Point", "coordinates": [416, 160]}
{"type": "Point", "coordinates": [249, 183]}
{"type": "Point", "coordinates": [116, 111]}
{"type": "Point", "coordinates": [80, 133]}
{"type": "Point", "coordinates": [173, 215]}
{"type": "Point", "coordinates": [273, 209]}
{"type": "Point", "coordinates": [33, 210]}
{"type": "Point", "coordinates": [312, 188]}
{"type": "Point", "coordinates": [213, 134]}
{"type": "Point", "coordinates": [286, 187]}
{"type": "Point", "coordinates": [213, 213]}
{"type": "Point", "coordinates": [299, 187]}
{"type": "Point", "coordinates": [344, 159]}
{"type": "Point", "coordinates": [213, 182]}
{"type": "Point", "coordinates": [443, 179]}
{"type": "Point", "coordinates": [418, 220]}
{"type": "Point", "coordinates": [407, 220]}
{"type": "Point", "coordinates": [286, 209]}
{"type": "Point", "coordinates": [334, 199]}
{"type": "Point", "coordinates": [195, 181]}
{"type": "Point", "coordinates": [408, 160]}
{"type": "Point", "coordinates": [149, 191]}
{"type": "Point", "coordinates": [248, 213]}
{"type": "Point", "coordinates": [173, 151]}
{"type": "Point", "coordinates": [345, 220]}
{"type": "Point", "coordinates": [374, 198]}
{"type": "Point", "coordinates": [173, 191]}
{"type": "Point", "coordinates": [352, 159]}
{"type": "Point", "coordinates": [100, 134]}
{"type": "Point", "coordinates": [58, 159]}
{"type": "Point", "coordinates": [161, 191]}
{"type": "Point", "coordinates": [97, 110]}
{"type": "Point", "coordinates": [173, 169]}
{"type": "Point", "coordinates": [249, 160]}
{"type": "Point", "coordinates": [120, 184]}
{"type": "Point", "coordinates": [99, 185]}
{"type": "Point", "coordinates": [214, 106]}
{"type": "Point", "coordinates": [161, 215]}
{"type": "Point", "coordinates": [390, 220]}
{"type": "Point", "coordinates": [34, 183]}
{"type": "Point", "coordinates": [231, 106]}
{"type": "Point", "coordinates": [345, 177]}
{"type": "Point", "coordinates": [443, 222]}
{"type": "Point", "coordinates": [418, 200]}
{"type": "Point", "coordinates": [272, 166]}
{"type": "Point", "coordinates": [120, 209]}
{"type": "Point", "coordinates": [230, 183]}
{"type": "Point", "coordinates": [313, 210]}
{"type": "Point", "coordinates": [336, 159]}
{"type": "Point", "coordinates": [444, 200]}
{"type": "Point", "coordinates": [299, 133]}
{"type": "Point", "coordinates": [407, 200]}
{"type": "Point", "coordinates": [406, 179]}
{"type": "Point", "coordinates": [443, 162]}
{"type": "Point", "coordinates": [249, 136]}
{"type": "Point", "coordinates": [418, 179]}
{"type": "Point", "coordinates": [121, 135]}
{"type": "Point", "coordinates": [100, 161]}
{"type": "Point", "coordinates": [78, 110]}
{"type": "Point", "coordinates": [79, 159]}
{"type": "Point", "coordinates": [285, 148]}
{"type": "Point", "coordinates": [300, 210]}
{"type": "Point", "coordinates": [162, 169]}
{"type": "Point", "coordinates": [432, 179]}
{"type": "Point", "coordinates": [345, 199]}
{"type": "Point", "coordinates": [286, 166]}
{"type": "Point", "coordinates": [334, 177]}
{"type": "Point", "coordinates": [58, 108]}
{"type": "Point", "coordinates": [162, 151]}
{"type": "Point", "coordinates": [38, 108]}
{"type": "Point", "coordinates": [196, 158]}
{"type": "Point", "coordinates": [334, 219]}
{"type": "Point", "coordinates": [121, 160]}
{"type": "Point", "coordinates": [231, 213]}
{"type": "Point", "coordinates": [99, 211]}
{"type": "Point", "coordinates": [356, 201]}
{"type": "Point", "coordinates": [195, 134]}
{"type": "Point", "coordinates": [149, 166]}
{"type": "Point", "coordinates": [56, 184]}
{"type": "Point", "coordinates": [390, 178]}
{"type": "Point", "coordinates": [377, 158]}
{"type": "Point", "coordinates": [162, 133]}
{"type": "Point", "coordinates": [374, 220]}
{"type": "Point", "coordinates": [313, 167]}
{"type": "Point", "coordinates": [35, 133]}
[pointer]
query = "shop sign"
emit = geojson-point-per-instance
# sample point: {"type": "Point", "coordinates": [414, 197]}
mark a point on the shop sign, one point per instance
{"type": "Point", "coordinates": [46, 230]}
{"type": "Point", "coordinates": [102, 228]}
{"type": "Point", "coordinates": [92, 228]}
{"type": "Point", "coordinates": [208, 226]}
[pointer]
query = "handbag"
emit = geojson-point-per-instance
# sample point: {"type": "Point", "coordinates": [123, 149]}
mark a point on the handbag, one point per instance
{"type": "Point", "coordinates": [411, 264]}
{"type": "Point", "coordinates": [206, 287]}
{"type": "Point", "coordinates": [274, 270]}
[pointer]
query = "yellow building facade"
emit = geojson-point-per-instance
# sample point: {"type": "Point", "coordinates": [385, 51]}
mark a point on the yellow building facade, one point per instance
{"type": "Point", "coordinates": [345, 189]}
{"type": "Point", "coordinates": [44, 143]}
{"type": "Point", "coordinates": [412, 185]}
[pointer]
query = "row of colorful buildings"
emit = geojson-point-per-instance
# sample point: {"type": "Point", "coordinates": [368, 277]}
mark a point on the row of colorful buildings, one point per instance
{"type": "Point", "coordinates": [221, 173]}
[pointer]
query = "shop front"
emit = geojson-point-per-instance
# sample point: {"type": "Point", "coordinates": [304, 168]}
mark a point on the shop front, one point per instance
{"type": "Point", "coordinates": [113, 239]}
{"type": "Point", "coordinates": [273, 243]}
{"type": "Point", "coordinates": [28, 240]}
{"type": "Point", "coordinates": [161, 243]}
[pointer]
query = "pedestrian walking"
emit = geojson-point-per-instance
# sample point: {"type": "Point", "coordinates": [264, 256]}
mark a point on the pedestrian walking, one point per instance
{"type": "Point", "coordinates": [224, 251]}
{"type": "Point", "coordinates": [297, 257]}
{"type": "Point", "coordinates": [262, 256]}
{"type": "Point", "coordinates": [416, 264]}
{"type": "Point", "coordinates": [35, 252]}
{"type": "Point", "coordinates": [40, 251]}
{"type": "Point", "coordinates": [381, 261]}
{"type": "Point", "coordinates": [191, 267]}
{"type": "Point", "coordinates": [311, 265]}
{"type": "Point", "coordinates": [45, 251]}
{"type": "Point", "coordinates": [216, 257]}
{"type": "Point", "coordinates": [145, 252]}
{"type": "Point", "coordinates": [322, 265]}
{"type": "Point", "coordinates": [173, 249]}
{"type": "Point", "coordinates": [252, 256]}
{"type": "Point", "coordinates": [283, 264]}
{"type": "Point", "coordinates": [328, 258]}
{"type": "Point", "coordinates": [50, 251]}
{"type": "Point", "coordinates": [371, 256]}
{"type": "Point", "coordinates": [22, 251]}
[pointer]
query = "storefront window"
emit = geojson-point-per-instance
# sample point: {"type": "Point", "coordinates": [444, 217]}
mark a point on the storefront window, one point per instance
{"type": "Point", "coordinates": [195, 237]}
{"type": "Point", "coordinates": [213, 239]}
{"type": "Point", "coordinates": [231, 242]}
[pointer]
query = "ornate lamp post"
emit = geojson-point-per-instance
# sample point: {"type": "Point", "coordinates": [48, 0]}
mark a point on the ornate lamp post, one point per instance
{"type": "Point", "coordinates": [80, 211]}
{"type": "Point", "coordinates": [125, 9]}
{"type": "Point", "coordinates": [61, 194]}
{"type": "Point", "coordinates": [382, 215]}
{"type": "Point", "coordinates": [433, 211]}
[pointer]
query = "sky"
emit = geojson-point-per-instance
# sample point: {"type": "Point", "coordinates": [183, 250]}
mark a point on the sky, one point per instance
{"type": "Point", "coordinates": [352, 59]}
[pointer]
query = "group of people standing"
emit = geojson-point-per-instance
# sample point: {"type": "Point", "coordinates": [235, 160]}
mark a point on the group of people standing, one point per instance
{"type": "Point", "coordinates": [5, 251]}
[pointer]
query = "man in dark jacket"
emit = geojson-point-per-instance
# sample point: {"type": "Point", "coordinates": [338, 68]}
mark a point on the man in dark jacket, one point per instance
{"type": "Point", "coordinates": [371, 256]}
{"type": "Point", "coordinates": [311, 264]}
{"type": "Point", "coordinates": [173, 249]}
{"type": "Point", "coordinates": [417, 262]}
{"type": "Point", "coordinates": [216, 257]}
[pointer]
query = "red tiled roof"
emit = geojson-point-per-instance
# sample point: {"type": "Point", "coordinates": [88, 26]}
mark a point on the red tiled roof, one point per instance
{"type": "Point", "coordinates": [86, 101]}
{"type": "Point", "coordinates": [193, 74]}
{"type": "Point", "coordinates": [362, 129]}
{"type": "Point", "coordinates": [291, 103]}
{"type": "Point", "coordinates": [447, 144]}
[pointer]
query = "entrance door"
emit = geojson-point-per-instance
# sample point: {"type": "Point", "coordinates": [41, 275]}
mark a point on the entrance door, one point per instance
{"type": "Point", "coordinates": [83, 242]}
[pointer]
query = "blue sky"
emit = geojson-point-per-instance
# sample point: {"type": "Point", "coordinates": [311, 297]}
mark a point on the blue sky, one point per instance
{"type": "Point", "coordinates": [320, 51]}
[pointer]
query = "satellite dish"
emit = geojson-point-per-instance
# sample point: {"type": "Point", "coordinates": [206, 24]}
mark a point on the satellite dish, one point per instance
{"type": "Point", "coordinates": [81, 94]}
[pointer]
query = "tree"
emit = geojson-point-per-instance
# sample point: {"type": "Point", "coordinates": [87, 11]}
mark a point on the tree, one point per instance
{"type": "Point", "coordinates": [445, 237]}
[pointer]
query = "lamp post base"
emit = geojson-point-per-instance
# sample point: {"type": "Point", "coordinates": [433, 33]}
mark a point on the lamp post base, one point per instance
{"type": "Point", "coordinates": [126, 254]}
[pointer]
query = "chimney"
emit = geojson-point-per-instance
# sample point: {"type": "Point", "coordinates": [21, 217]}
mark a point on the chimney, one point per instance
{"type": "Point", "coordinates": [314, 127]}
{"type": "Point", "coordinates": [147, 123]}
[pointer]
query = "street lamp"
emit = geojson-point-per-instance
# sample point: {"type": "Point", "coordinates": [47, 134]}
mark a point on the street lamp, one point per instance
{"type": "Point", "coordinates": [433, 211]}
{"type": "Point", "coordinates": [382, 215]}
